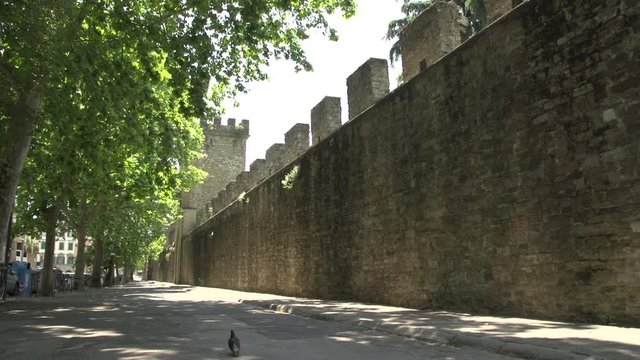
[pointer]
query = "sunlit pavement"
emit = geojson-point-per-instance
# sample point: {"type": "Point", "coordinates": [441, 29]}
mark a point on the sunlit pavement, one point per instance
{"type": "Point", "coordinates": [526, 338]}
{"type": "Point", "coordinates": [162, 321]}
{"type": "Point", "coordinates": [517, 337]}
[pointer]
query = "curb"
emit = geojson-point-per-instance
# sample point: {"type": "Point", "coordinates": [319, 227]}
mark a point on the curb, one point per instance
{"type": "Point", "coordinates": [452, 338]}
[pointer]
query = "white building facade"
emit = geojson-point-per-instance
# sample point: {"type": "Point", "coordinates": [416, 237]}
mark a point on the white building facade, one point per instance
{"type": "Point", "coordinates": [65, 252]}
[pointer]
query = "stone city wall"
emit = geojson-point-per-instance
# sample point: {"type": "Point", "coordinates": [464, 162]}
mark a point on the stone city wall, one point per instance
{"type": "Point", "coordinates": [277, 156]}
{"type": "Point", "coordinates": [225, 148]}
{"type": "Point", "coordinates": [503, 178]}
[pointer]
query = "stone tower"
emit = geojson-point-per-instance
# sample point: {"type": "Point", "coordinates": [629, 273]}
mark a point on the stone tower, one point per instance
{"type": "Point", "coordinates": [225, 147]}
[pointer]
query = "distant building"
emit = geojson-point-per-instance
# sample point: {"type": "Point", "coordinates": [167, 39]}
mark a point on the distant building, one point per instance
{"type": "Point", "coordinates": [65, 252]}
{"type": "Point", "coordinates": [20, 250]}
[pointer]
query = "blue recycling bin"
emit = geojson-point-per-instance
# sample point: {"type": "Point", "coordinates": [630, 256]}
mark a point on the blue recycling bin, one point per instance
{"type": "Point", "coordinates": [23, 273]}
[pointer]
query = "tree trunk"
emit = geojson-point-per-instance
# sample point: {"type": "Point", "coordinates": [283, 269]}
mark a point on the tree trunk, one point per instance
{"type": "Point", "coordinates": [145, 272]}
{"type": "Point", "coordinates": [96, 274]}
{"type": "Point", "coordinates": [80, 258]}
{"type": "Point", "coordinates": [51, 218]}
{"type": "Point", "coordinates": [108, 281]}
{"type": "Point", "coordinates": [20, 127]}
{"type": "Point", "coordinates": [127, 275]}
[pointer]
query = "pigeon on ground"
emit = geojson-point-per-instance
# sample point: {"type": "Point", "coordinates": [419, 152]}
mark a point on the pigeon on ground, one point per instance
{"type": "Point", "coordinates": [234, 344]}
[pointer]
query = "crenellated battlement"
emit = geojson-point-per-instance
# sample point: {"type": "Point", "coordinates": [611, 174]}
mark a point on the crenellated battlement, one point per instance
{"type": "Point", "coordinates": [437, 31]}
{"type": "Point", "coordinates": [503, 177]}
{"type": "Point", "coordinates": [277, 156]}
{"type": "Point", "coordinates": [326, 117]}
{"type": "Point", "coordinates": [297, 137]}
{"type": "Point", "coordinates": [368, 84]}
{"type": "Point", "coordinates": [434, 33]}
{"type": "Point", "coordinates": [225, 153]}
{"type": "Point", "coordinates": [230, 129]}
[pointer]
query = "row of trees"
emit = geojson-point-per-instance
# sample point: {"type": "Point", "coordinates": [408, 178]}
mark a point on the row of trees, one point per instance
{"type": "Point", "coordinates": [100, 106]}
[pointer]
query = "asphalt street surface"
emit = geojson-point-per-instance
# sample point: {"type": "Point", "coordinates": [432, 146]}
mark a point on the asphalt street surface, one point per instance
{"type": "Point", "coordinates": [156, 321]}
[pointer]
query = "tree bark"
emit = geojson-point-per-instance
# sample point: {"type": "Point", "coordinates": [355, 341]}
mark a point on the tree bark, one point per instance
{"type": "Point", "coordinates": [16, 141]}
{"type": "Point", "coordinates": [80, 258]}
{"type": "Point", "coordinates": [96, 274]}
{"type": "Point", "coordinates": [108, 281]}
{"type": "Point", "coordinates": [127, 275]}
{"type": "Point", "coordinates": [85, 215]}
{"type": "Point", "coordinates": [51, 218]}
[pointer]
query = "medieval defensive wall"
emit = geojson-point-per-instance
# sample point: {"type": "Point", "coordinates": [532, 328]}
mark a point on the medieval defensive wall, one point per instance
{"type": "Point", "coordinates": [503, 177]}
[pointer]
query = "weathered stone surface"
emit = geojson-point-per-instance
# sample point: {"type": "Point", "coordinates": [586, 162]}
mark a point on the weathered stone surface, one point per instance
{"type": "Point", "coordinates": [257, 172]}
{"type": "Point", "coordinates": [497, 8]}
{"type": "Point", "coordinates": [433, 34]}
{"type": "Point", "coordinates": [368, 84]}
{"type": "Point", "coordinates": [275, 157]}
{"type": "Point", "coordinates": [326, 117]}
{"type": "Point", "coordinates": [225, 149]}
{"type": "Point", "coordinates": [486, 183]}
{"type": "Point", "coordinates": [296, 141]}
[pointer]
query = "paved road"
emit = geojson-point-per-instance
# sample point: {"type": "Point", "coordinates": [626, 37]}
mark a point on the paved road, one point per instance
{"type": "Point", "coordinates": [157, 321]}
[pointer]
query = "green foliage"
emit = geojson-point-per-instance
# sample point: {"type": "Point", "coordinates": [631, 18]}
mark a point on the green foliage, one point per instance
{"type": "Point", "coordinates": [122, 84]}
{"type": "Point", "coordinates": [605, 319]}
{"type": "Point", "coordinates": [155, 248]}
{"type": "Point", "coordinates": [422, 281]}
{"type": "Point", "coordinates": [137, 234]}
{"type": "Point", "coordinates": [289, 179]}
{"type": "Point", "coordinates": [243, 198]}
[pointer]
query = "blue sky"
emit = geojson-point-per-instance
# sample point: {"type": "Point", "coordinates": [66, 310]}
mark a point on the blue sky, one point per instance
{"type": "Point", "coordinates": [274, 106]}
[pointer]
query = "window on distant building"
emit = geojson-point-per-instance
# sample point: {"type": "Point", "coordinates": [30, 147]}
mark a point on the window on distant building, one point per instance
{"type": "Point", "coordinates": [60, 245]}
{"type": "Point", "coordinates": [43, 245]}
{"type": "Point", "coordinates": [70, 246]}
{"type": "Point", "coordinates": [59, 260]}
{"type": "Point", "coordinates": [71, 260]}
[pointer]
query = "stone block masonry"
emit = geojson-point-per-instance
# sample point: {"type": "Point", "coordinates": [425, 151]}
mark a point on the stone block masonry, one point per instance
{"type": "Point", "coordinates": [497, 8]}
{"type": "Point", "coordinates": [504, 178]}
{"type": "Point", "coordinates": [326, 117]}
{"type": "Point", "coordinates": [435, 33]}
{"type": "Point", "coordinates": [367, 85]}
{"type": "Point", "coordinates": [225, 149]}
{"type": "Point", "coordinates": [297, 139]}
{"type": "Point", "coordinates": [277, 156]}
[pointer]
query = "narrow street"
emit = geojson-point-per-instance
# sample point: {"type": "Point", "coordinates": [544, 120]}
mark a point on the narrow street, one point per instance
{"type": "Point", "coordinates": [154, 321]}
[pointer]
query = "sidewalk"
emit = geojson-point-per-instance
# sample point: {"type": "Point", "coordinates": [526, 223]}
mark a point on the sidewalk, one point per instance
{"type": "Point", "coordinates": [524, 338]}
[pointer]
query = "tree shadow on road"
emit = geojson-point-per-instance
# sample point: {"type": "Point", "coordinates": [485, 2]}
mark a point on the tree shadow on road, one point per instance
{"type": "Point", "coordinates": [144, 322]}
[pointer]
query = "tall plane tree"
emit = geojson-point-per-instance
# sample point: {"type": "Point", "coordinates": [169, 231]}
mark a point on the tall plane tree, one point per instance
{"type": "Point", "coordinates": [208, 49]}
{"type": "Point", "coordinates": [89, 169]}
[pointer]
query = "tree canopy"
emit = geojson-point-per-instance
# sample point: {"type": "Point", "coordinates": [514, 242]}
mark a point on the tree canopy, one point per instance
{"type": "Point", "coordinates": [111, 89]}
